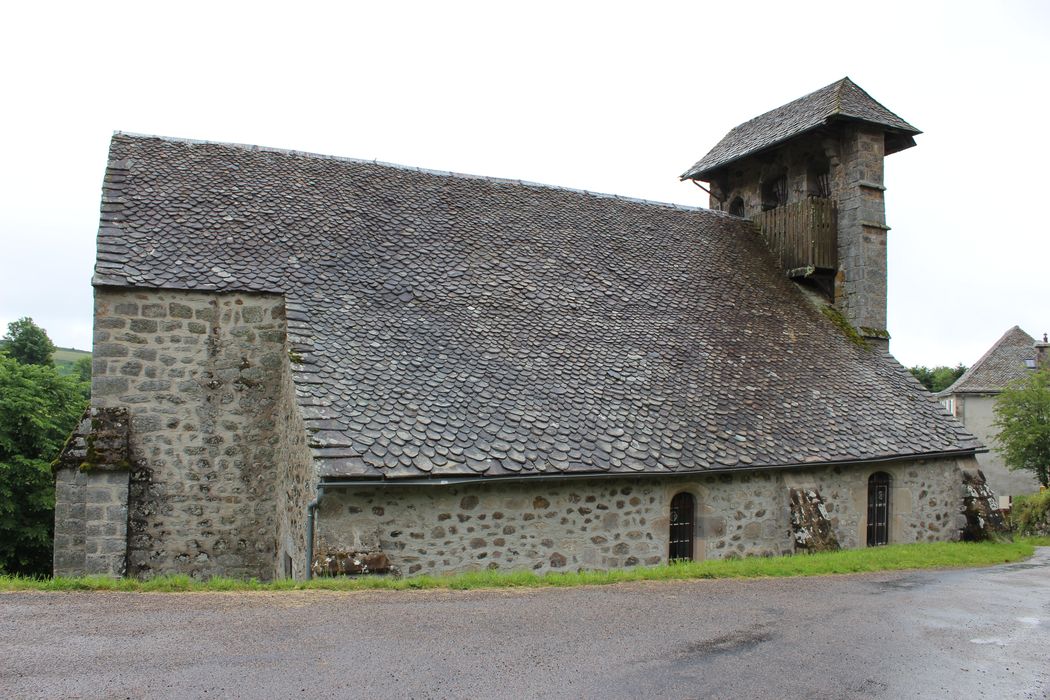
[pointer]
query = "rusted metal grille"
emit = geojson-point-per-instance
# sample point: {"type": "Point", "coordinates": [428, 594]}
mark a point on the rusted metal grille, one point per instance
{"type": "Point", "coordinates": [878, 509]}
{"type": "Point", "coordinates": [824, 184]}
{"type": "Point", "coordinates": [680, 547]}
{"type": "Point", "coordinates": [802, 234]}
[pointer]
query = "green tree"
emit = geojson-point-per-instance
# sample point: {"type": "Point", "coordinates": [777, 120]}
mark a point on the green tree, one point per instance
{"type": "Point", "coordinates": [28, 343]}
{"type": "Point", "coordinates": [82, 369]}
{"type": "Point", "coordinates": [38, 411]}
{"type": "Point", "coordinates": [1022, 415]}
{"type": "Point", "coordinates": [937, 378]}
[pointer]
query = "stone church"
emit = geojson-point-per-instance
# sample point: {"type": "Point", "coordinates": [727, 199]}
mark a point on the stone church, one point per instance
{"type": "Point", "coordinates": [306, 364]}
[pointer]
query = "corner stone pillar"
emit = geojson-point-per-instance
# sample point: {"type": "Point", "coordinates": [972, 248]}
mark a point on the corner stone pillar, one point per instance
{"type": "Point", "coordinates": [860, 285]}
{"type": "Point", "coordinates": [91, 496]}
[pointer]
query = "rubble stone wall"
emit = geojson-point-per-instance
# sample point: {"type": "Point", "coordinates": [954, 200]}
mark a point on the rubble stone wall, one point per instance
{"type": "Point", "coordinates": [618, 522]}
{"type": "Point", "coordinates": [205, 378]}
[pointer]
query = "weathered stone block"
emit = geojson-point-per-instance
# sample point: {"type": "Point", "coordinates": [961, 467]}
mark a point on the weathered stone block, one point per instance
{"type": "Point", "coordinates": [252, 314]}
{"type": "Point", "coordinates": [177, 310]}
{"type": "Point", "coordinates": [126, 309]}
{"type": "Point", "coordinates": [143, 325]}
{"type": "Point", "coordinates": [108, 386]}
{"type": "Point", "coordinates": [109, 350]}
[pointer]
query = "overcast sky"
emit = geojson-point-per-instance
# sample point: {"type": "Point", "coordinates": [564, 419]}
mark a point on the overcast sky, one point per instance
{"type": "Point", "coordinates": [608, 97]}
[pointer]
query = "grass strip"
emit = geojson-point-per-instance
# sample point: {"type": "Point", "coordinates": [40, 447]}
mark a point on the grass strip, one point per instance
{"type": "Point", "coordinates": [937, 555]}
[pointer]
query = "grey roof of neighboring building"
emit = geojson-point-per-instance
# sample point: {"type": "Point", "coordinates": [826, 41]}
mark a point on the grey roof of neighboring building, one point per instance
{"type": "Point", "coordinates": [1003, 363]}
{"type": "Point", "coordinates": [457, 325]}
{"type": "Point", "coordinates": [843, 99]}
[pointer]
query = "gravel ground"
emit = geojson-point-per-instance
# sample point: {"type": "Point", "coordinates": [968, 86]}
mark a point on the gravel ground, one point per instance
{"type": "Point", "coordinates": [941, 634]}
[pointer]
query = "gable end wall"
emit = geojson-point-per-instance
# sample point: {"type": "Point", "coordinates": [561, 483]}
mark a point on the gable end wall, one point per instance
{"type": "Point", "coordinates": [217, 444]}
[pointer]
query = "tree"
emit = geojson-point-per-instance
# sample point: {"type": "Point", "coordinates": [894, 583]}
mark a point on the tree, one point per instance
{"type": "Point", "coordinates": [38, 411]}
{"type": "Point", "coordinates": [1022, 415]}
{"type": "Point", "coordinates": [28, 343]}
{"type": "Point", "coordinates": [937, 378]}
{"type": "Point", "coordinates": [82, 369]}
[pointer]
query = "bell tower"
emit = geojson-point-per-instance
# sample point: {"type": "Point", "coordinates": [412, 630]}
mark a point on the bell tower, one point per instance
{"type": "Point", "coordinates": [810, 175]}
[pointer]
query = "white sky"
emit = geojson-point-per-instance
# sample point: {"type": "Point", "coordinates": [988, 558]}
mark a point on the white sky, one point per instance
{"type": "Point", "coordinates": [603, 96]}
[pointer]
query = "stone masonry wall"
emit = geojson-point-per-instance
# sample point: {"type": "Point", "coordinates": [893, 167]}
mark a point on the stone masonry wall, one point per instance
{"type": "Point", "coordinates": [205, 379]}
{"type": "Point", "coordinates": [296, 483]}
{"type": "Point", "coordinates": [861, 286]}
{"type": "Point", "coordinates": [744, 179]}
{"type": "Point", "coordinates": [91, 496]}
{"type": "Point", "coordinates": [91, 522]}
{"type": "Point", "coordinates": [616, 522]}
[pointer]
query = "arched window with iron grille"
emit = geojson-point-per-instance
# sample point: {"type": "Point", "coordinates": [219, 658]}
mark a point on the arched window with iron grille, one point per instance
{"type": "Point", "coordinates": [683, 523]}
{"type": "Point", "coordinates": [878, 509]}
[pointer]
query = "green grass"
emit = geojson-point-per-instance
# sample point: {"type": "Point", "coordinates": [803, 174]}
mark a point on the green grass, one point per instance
{"type": "Point", "coordinates": [909, 556]}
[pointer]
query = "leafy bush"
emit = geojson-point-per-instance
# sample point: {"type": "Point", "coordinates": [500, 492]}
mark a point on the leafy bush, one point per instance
{"type": "Point", "coordinates": [38, 411]}
{"type": "Point", "coordinates": [1030, 515]}
{"type": "Point", "coordinates": [1022, 415]}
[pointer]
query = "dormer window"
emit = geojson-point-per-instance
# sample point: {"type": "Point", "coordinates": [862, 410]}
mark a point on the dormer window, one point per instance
{"type": "Point", "coordinates": [774, 193]}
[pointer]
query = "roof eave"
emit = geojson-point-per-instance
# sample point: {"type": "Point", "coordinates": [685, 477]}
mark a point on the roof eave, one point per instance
{"type": "Point", "coordinates": [451, 480]}
{"type": "Point", "coordinates": [898, 140]}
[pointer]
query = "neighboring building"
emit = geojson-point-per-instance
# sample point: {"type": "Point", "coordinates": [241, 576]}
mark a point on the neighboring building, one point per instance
{"type": "Point", "coordinates": [302, 359]}
{"type": "Point", "coordinates": [972, 397]}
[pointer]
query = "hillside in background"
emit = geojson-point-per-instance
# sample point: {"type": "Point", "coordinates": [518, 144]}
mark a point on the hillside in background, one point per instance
{"type": "Point", "coordinates": [66, 358]}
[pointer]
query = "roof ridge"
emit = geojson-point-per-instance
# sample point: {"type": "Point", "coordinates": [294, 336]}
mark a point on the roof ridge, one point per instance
{"type": "Point", "coordinates": [836, 108]}
{"type": "Point", "coordinates": [417, 169]}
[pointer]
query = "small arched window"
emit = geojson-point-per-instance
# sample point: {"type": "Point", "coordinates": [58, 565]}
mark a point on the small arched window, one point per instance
{"type": "Point", "coordinates": [878, 509]}
{"type": "Point", "coordinates": [818, 180]}
{"type": "Point", "coordinates": [683, 520]}
{"type": "Point", "coordinates": [774, 193]}
{"type": "Point", "coordinates": [736, 207]}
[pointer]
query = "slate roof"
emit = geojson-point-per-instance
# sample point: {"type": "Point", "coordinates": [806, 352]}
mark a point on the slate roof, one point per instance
{"type": "Point", "coordinates": [1002, 364]}
{"type": "Point", "coordinates": [843, 99]}
{"type": "Point", "coordinates": [456, 325]}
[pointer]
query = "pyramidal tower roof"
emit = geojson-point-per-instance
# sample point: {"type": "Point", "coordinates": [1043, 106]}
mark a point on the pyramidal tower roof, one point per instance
{"type": "Point", "coordinates": [842, 100]}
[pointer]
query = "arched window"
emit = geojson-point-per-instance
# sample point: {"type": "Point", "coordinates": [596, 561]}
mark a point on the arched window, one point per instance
{"type": "Point", "coordinates": [878, 509]}
{"type": "Point", "coordinates": [736, 207]}
{"type": "Point", "coordinates": [774, 192]}
{"type": "Point", "coordinates": [680, 541]}
{"type": "Point", "coordinates": [818, 179]}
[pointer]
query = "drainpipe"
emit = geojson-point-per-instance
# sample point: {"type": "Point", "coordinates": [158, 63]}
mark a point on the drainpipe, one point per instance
{"type": "Point", "coordinates": [311, 510]}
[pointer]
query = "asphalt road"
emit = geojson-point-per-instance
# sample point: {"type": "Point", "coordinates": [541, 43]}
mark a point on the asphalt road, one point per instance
{"type": "Point", "coordinates": [974, 633]}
